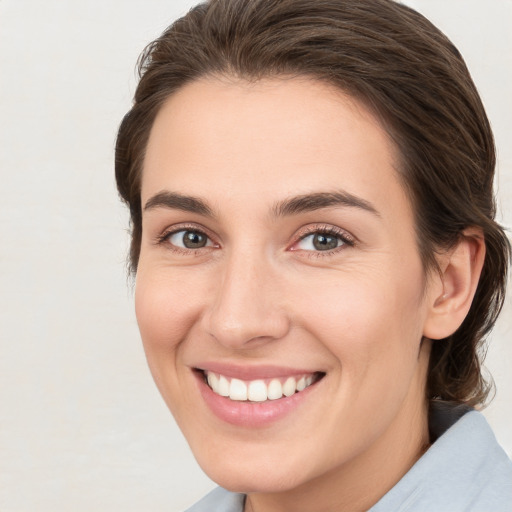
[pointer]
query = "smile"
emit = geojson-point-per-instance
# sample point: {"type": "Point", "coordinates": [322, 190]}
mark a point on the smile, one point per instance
{"type": "Point", "coordinates": [259, 390]}
{"type": "Point", "coordinates": [255, 397]}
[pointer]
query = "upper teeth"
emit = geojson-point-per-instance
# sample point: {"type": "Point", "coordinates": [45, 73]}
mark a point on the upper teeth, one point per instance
{"type": "Point", "coordinates": [257, 390]}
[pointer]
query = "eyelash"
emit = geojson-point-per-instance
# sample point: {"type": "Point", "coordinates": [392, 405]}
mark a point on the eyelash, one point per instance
{"type": "Point", "coordinates": [346, 239]}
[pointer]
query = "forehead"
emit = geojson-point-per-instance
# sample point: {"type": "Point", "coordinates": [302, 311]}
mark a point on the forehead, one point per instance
{"type": "Point", "coordinates": [270, 137]}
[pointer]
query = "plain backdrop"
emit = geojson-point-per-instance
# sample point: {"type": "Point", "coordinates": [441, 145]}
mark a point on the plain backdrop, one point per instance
{"type": "Point", "coordinates": [82, 426]}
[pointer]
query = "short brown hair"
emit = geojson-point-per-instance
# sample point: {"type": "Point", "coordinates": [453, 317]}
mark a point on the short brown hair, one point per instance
{"type": "Point", "coordinates": [407, 72]}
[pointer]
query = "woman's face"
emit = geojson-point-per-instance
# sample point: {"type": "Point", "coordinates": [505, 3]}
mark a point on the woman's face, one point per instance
{"type": "Point", "coordinates": [279, 254]}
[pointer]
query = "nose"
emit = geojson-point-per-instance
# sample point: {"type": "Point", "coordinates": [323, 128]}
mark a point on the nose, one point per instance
{"type": "Point", "coordinates": [247, 307]}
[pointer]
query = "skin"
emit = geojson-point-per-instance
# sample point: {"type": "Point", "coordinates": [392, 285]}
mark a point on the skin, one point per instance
{"type": "Point", "coordinates": [260, 293]}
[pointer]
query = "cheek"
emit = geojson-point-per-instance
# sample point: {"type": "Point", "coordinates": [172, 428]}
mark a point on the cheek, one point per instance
{"type": "Point", "coordinates": [166, 309]}
{"type": "Point", "coordinates": [370, 321]}
{"type": "Point", "coordinates": [166, 306]}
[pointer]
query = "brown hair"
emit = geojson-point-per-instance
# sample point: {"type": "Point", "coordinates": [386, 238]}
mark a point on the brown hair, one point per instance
{"type": "Point", "coordinates": [409, 74]}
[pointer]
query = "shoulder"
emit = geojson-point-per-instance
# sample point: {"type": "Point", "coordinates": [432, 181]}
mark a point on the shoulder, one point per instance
{"type": "Point", "coordinates": [465, 470]}
{"type": "Point", "coordinates": [219, 500]}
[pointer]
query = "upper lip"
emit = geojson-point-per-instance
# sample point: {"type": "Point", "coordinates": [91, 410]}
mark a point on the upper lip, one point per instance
{"type": "Point", "coordinates": [252, 372]}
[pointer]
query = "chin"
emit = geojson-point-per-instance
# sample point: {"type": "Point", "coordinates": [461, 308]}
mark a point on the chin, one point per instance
{"type": "Point", "coordinates": [267, 476]}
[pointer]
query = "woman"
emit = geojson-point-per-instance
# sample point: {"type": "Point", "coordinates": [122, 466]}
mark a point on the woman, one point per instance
{"type": "Point", "coordinates": [317, 262]}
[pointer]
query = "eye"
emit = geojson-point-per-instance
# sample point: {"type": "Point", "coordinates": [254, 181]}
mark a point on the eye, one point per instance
{"type": "Point", "coordinates": [188, 239]}
{"type": "Point", "coordinates": [322, 239]}
{"type": "Point", "coordinates": [319, 242]}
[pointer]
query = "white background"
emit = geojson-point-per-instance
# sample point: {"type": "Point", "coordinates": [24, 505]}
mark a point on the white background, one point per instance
{"type": "Point", "coordinates": [81, 424]}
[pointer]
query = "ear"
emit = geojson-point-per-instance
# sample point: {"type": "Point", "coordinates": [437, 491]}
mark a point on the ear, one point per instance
{"type": "Point", "coordinates": [451, 292]}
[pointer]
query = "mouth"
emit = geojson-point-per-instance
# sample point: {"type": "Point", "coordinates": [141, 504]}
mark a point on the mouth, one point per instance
{"type": "Point", "coordinates": [258, 390]}
{"type": "Point", "coordinates": [256, 396]}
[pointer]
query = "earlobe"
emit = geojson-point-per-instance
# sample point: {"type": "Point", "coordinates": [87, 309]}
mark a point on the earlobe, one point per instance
{"type": "Point", "coordinates": [451, 296]}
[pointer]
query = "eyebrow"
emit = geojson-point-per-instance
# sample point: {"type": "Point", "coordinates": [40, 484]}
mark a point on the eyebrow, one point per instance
{"type": "Point", "coordinates": [175, 201]}
{"type": "Point", "coordinates": [292, 206]}
{"type": "Point", "coordinates": [318, 200]}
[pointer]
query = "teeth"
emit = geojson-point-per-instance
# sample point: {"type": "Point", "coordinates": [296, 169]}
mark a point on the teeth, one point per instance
{"type": "Point", "coordinates": [238, 390]}
{"type": "Point", "coordinates": [289, 386]}
{"type": "Point", "coordinates": [275, 390]}
{"type": "Point", "coordinates": [213, 381]}
{"type": "Point", "coordinates": [223, 389]}
{"type": "Point", "coordinates": [256, 390]}
{"type": "Point", "coordinates": [301, 384]}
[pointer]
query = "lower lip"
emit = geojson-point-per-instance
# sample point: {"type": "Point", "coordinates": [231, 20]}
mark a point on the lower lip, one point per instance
{"type": "Point", "coordinates": [251, 414]}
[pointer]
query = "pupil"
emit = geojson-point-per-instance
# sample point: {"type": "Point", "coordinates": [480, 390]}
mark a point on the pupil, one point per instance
{"type": "Point", "coordinates": [325, 242]}
{"type": "Point", "coordinates": [193, 240]}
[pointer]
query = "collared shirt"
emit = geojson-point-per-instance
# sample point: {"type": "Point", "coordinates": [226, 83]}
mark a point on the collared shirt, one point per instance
{"type": "Point", "coordinates": [465, 470]}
